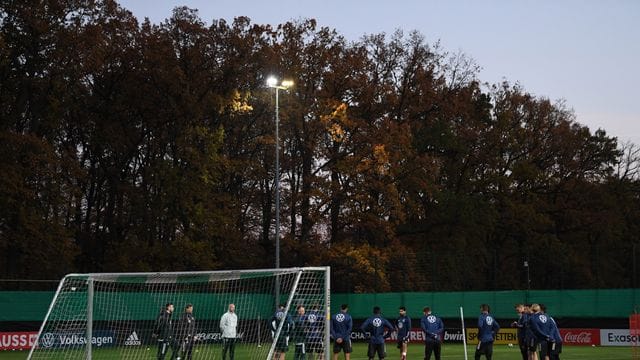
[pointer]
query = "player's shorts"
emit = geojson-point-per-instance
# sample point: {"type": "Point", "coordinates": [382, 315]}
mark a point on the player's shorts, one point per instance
{"type": "Point", "coordinates": [376, 348]}
{"type": "Point", "coordinates": [400, 342]}
{"type": "Point", "coordinates": [345, 346]}
{"type": "Point", "coordinates": [556, 348]}
{"type": "Point", "coordinates": [545, 346]}
{"type": "Point", "coordinates": [485, 348]}
{"type": "Point", "coordinates": [523, 345]}
{"type": "Point", "coordinates": [282, 345]}
{"type": "Point", "coordinates": [432, 346]}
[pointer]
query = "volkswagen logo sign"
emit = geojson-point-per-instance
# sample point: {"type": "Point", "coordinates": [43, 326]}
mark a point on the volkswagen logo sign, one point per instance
{"type": "Point", "coordinates": [47, 340]}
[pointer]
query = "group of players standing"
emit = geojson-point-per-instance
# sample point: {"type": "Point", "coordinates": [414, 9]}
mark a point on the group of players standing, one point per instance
{"type": "Point", "coordinates": [180, 336]}
{"type": "Point", "coordinates": [378, 329]}
{"type": "Point", "coordinates": [537, 331]}
{"type": "Point", "coordinates": [306, 331]}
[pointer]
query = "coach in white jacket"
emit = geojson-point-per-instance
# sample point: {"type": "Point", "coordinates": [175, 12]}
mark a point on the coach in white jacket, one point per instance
{"type": "Point", "coordinates": [228, 325]}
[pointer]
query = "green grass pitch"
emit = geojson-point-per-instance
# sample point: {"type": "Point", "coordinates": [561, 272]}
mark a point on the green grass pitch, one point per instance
{"type": "Point", "coordinates": [449, 351]}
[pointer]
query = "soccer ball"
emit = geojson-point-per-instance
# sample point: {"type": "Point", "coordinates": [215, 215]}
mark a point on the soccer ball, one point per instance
{"type": "Point", "coordinates": [510, 345]}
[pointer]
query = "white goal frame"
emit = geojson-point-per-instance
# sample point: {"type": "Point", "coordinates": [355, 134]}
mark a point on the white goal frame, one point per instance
{"type": "Point", "coordinates": [91, 278]}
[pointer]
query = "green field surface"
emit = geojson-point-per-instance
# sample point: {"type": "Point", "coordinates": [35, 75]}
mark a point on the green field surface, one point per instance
{"type": "Point", "coordinates": [449, 351]}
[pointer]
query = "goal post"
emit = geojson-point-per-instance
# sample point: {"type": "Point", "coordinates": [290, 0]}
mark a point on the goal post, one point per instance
{"type": "Point", "coordinates": [117, 315]}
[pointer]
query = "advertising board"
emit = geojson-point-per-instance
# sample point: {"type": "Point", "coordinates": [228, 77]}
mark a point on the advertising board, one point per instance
{"type": "Point", "coordinates": [618, 337]}
{"type": "Point", "coordinates": [505, 336]}
{"type": "Point", "coordinates": [100, 338]}
{"type": "Point", "coordinates": [18, 340]}
{"type": "Point", "coordinates": [581, 337]}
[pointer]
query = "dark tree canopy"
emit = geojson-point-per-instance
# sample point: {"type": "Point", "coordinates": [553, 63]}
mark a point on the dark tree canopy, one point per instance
{"type": "Point", "coordinates": [128, 146]}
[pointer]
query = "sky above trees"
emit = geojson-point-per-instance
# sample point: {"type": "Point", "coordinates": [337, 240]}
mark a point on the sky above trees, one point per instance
{"type": "Point", "coordinates": [582, 51]}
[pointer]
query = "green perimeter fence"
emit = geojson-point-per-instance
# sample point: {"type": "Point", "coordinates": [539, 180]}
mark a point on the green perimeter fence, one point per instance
{"type": "Point", "coordinates": [601, 303]}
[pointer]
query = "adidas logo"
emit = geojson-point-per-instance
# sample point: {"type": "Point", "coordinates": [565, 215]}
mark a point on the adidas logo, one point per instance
{"type": "Point", "coordinates": [133, 339]}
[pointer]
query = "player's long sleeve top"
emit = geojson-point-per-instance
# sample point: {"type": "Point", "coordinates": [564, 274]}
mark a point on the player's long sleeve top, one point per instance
{"type": "Point", "coordinates": [521, 325]}
{"type": "Point", "coordinates": [403, 327]}
{"type": "Point", "coordinates": [277, 317]}
{"type": "Point", "coordinates": [299, 332]}
{"type": "Point", "coordinates": [229, 325]}
{"type": "Point", "coordinates": [433, 328]}
{"type": "Point", "coordinates": [341, 326]}
{"type": "Point", "coordinates": [315, 322]}
{"type": "Point", "coordinates": [164, 326]}
{"type": "Point", "coordinates": [378, 328]}
{"type": "Point", "coordinates": [529, 337]}
{"type": "Point", "coordinates": [487, 328]}
{"type": "Point", "coordinates": [187, 326]}
{"type": "Point", "coordinates": [541, 327]}
{"type": "Point", "coordinates": [555, 332]}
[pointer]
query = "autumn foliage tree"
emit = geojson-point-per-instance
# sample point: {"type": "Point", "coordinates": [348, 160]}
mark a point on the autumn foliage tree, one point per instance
{"type": "Point", "coordinates": [128, 146]}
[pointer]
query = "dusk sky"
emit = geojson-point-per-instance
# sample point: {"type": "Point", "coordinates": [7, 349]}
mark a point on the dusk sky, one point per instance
{"type": "Point", "coordinates": [586, 52]}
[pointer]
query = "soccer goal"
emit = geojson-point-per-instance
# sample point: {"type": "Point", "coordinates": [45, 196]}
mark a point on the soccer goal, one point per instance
{"type": "Point", "coordinates": [127, 315]}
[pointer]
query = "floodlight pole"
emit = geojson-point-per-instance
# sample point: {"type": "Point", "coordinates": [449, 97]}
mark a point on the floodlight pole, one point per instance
{"type": "Point", "coordinates": [272, 82]}
{"type": "Point", "coordinates": [526, 265]}
{"type": "Point", "coordinates": [277, 180]}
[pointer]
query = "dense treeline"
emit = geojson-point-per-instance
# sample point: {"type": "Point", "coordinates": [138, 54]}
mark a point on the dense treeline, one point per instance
{"type": "Point", "coordinates": [148, 147]}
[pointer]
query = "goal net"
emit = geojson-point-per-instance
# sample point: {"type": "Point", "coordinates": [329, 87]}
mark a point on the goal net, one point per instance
{"type": "Point", "coordinates": [128, 315]}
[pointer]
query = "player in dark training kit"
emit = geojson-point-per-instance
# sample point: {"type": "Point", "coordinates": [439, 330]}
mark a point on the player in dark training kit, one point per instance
{"type": "Point", "coordinates": [403, 327]}
{"type": "Point", "coordinates": [315, 335]}
{"type": "Point", "coordinates": [186, 333]}
{"type": "Point", "coordinates": [341, 325]}
{"type": "Point", "coordinates": [542, 330]}
{"type": "Point", "coordinates": [164, 332]}
{"type": "Point", "coordinates": [299, 334]}
{"type": "Point", "coordinates": [379, 329]}
{"type": "Point", "coordinates": [433, 328]}
{"type": "Point", "coordinates": [282, 345]}
{"type": "Point", "coordinates": [521, 325]}
{"type": "Point", "coordinates": [555, 340]}
{"type": "Point", "coordinates": [487, 329]}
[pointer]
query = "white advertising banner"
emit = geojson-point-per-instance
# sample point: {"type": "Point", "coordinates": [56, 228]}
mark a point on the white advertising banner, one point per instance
{"type": "Point", "coordinates": [618, 337]}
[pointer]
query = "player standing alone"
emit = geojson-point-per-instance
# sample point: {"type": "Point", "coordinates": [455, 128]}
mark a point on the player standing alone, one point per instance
{"type": "Point", "coordinates": [375, 326]}
{"type": "Point", "coordinates": [487, 329]}
{"type": "Point", "coordinates": [229, 325]}
{"type": "Point", "coordinates": [186, 333]}
{"type": "Point", "coordinates": [164, 332]}
{"type": "Point", "coordinates": [403, 328]}
{"type": "Point", "coordinates": [433, 327]}
{"type": "Point", "coordinates": [341, 325]}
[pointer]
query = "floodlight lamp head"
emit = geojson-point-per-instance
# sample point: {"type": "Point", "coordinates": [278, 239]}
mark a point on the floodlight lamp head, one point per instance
{"type": "Point", "coordinates": [272, 81]}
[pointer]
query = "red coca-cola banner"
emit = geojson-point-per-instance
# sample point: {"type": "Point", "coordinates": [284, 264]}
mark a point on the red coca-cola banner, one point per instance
{"type": "Point", "coordinates": [583, 337]}
{"type": "Point", "coordinates": [18, 340]}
